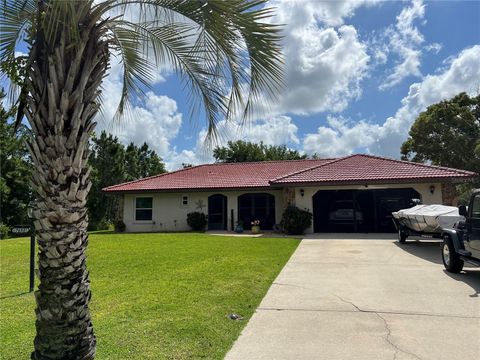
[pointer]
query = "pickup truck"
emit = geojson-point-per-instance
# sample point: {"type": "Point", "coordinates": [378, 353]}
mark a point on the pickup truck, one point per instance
{"type": "Point", "coordinates": [462, 242]}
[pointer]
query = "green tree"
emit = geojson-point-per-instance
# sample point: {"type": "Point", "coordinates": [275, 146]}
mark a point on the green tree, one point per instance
{"type": "Point", "coordinates": [228, 56]}
{"type": "Point", "coordinates": [15, 170]}
{"type": "Point", "coordinates": [132, 162]}
{"type": "Point", "coordinates": [141, 161]}
{"type": "Point", "coordinates": [243, 151]}
{"type": "Point", "coordinates": [150, 162]}
{"type": "Point", "coordinates": [107, 159]}
{"type": "Point", "coordinates": [447, 134]}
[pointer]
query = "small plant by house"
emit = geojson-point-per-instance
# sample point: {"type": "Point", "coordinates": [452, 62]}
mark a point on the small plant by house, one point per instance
{"type": "Point", "coordinates": [295, 221]}
{"type": "Point", "coordinates": [120, 226]}
{"type": "Point", "coordinates": [197, 221]}
{"type": "Point", "coordinates": [255, 226]}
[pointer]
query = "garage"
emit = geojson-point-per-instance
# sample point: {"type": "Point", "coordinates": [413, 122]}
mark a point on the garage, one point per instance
{"type": "Point", "coordinates": [368, 210]}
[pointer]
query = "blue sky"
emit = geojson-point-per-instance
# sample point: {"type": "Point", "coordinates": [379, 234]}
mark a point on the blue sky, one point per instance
{"type": "Point", "coordinates": [358, 74]}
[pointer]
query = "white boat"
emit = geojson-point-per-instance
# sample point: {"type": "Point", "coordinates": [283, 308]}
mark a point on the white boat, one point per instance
{"type": "Point", "coordinates": [427, 218]}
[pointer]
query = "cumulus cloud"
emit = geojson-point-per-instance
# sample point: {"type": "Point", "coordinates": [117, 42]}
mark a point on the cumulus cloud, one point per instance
{"type": "Point", "coordinates": [405, 40]}
{"type": "Point", "coordinates": [342, 137]}
{"type": "Point", "coordinates": [325, 59]}
{"type": "Point", "coordinates": [156, 121]}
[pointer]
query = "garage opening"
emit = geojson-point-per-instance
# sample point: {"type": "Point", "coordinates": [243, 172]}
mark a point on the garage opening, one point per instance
{"type": "Point", "coordinates": [359, 210]}
{"type": "Point", "coordinates": [257, 207]}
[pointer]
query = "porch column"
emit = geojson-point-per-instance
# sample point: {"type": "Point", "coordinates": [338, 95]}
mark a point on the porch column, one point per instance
{"type": "Point", "coordinates": [288, 197]}
{"type": "Point", "coordinates": [449, 194]}
{"type": "Point", "coordinates": [119, 203]}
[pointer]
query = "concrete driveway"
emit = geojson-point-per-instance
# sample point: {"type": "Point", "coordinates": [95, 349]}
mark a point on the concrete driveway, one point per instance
{"type": "Point", "coordinates": [351, 298]}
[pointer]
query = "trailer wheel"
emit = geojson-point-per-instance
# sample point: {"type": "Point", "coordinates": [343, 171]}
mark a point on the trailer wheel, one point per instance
{"type": "Point", "coordinates": [402, 236]}
{"type": "Point", "coordinates": [451, 260]}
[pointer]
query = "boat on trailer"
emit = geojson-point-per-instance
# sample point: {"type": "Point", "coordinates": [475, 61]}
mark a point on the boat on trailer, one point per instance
{"type": "Point", "coordinates": [425, 220]}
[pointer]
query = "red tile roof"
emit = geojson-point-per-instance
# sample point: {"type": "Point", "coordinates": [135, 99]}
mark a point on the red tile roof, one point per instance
{"type": "Point", "coordinates": [220, 176]}
{"type": "Point", "coordinates": [347, 170]}
{"type": "Point", "coordinates": [372, 169]}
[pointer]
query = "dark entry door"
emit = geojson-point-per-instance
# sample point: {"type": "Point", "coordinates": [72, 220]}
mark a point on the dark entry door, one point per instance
{"type": "Point", "coordinates": [217, 212]}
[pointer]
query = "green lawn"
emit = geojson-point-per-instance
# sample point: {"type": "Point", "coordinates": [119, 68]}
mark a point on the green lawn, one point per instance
{"type": "Point", "coordinates": [155, 296]}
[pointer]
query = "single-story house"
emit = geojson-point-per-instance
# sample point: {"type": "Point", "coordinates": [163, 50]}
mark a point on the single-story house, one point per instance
{"type": "Point", "coordinates": [355, 193]}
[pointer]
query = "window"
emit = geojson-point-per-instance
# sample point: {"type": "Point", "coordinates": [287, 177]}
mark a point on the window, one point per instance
{"type": "Point", "coordinates": [143, 208]}
{"type": "Point", "coordinates": [184, 200]}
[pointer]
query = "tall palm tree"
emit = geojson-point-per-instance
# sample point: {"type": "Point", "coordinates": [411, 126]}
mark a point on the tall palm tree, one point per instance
{"type": "Point", "coordinates": [227, 54]}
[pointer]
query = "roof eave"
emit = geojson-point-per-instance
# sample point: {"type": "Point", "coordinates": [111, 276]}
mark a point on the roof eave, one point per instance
{"type": "Point", "coordinates": [243, 188]}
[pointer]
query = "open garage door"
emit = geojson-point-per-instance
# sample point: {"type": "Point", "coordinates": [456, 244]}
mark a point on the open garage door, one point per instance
{"type": "Point", "coordinates": [359, 210]}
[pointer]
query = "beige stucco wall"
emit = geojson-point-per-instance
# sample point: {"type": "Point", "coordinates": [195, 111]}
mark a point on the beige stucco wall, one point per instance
{"type": "Point", "coordinates": [306, 202]}
{"type": "Point", "coordinates": [170, 215]}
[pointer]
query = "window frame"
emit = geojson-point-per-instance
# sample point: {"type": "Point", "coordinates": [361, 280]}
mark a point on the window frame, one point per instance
{"type": "Point", "coordinates": [182, 199]}
{"type": "Point", "coordinates": [135, 209]}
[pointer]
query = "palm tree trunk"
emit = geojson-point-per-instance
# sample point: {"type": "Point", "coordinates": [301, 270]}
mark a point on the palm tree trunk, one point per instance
{"type": "Point", "coordinates": [63, 83]}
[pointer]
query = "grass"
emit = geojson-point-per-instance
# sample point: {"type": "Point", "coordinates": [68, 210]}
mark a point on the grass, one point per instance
{"type": "Point", "coordinates": [155, 296]}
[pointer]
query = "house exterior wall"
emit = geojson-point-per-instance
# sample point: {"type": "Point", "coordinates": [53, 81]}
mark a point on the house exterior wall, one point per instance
{"type": "Point", "coordinates": [168, 213]}
{"type": "Point", "coordinates": [306, 202]}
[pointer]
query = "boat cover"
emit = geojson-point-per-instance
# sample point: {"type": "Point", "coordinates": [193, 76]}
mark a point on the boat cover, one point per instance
{"type": "Point", "coordinates": [428, 218]}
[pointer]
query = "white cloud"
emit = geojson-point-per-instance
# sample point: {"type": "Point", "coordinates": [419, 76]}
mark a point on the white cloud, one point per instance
{"type": "Point", "coordinates": [434, 47]}
{"type": "Point", "coordinates": [324, 64]}
{"type": "Point", "coordinates": [405, 40]}
{"type": "Point", "coordinates": [330, 13]}
{"type": "Point", "coordinates": [341, 137]}
{"type": "Point", "coordinates": [277, 130]}
{"type": "Point", "coordinates": [156, 122]}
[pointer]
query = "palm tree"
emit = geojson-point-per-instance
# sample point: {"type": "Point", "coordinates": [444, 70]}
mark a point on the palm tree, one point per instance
{"type": "Point", "coordinates": [228, 56]}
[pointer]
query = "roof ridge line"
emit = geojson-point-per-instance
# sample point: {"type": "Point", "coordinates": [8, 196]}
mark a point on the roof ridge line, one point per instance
{"type": "Point", "coordinates": [308, 169]}
{"type": "Point", "coordinates": [151, 177]}
{"type": "Point", "coordinates": [262, 162]}
{"type": "Point", "coordinates": [419, 164]}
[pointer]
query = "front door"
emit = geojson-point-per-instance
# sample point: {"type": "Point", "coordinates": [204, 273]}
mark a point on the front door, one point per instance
{"type": "Point", "coordinates": [473, 226]}
{"type": "Point", "coordinates": [217, 212]}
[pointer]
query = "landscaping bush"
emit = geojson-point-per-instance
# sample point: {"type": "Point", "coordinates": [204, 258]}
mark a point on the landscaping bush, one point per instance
{"type": "Point", "coordinates": [4, 230]}
{"type": "Point", "coordinates": [295, 221]}
{"type": "Point", "coordinates": [120, 226]}
{"type": "Point", "coordinates": [100, 225]}
{"type": "Point", "coordinates": [197, 221]}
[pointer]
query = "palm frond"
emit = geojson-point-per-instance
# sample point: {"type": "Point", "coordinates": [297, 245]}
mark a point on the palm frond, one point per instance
{"type": "Point", "coordinates": [227, 55]}
{"type": "Point", "coordinates": [229, 49]}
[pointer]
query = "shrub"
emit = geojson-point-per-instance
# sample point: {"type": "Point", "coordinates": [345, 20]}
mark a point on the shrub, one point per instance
{"type": "Point", "coordinates": [120, 226]}
{"type": "Point", "coordinates": [100, 225]}
{"type": "Point", "coordinates": [4, 230]}
{"type": "Point", "coordinates": [295, 221]}
{"type": "Point", "coordinates": [197, 220]}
